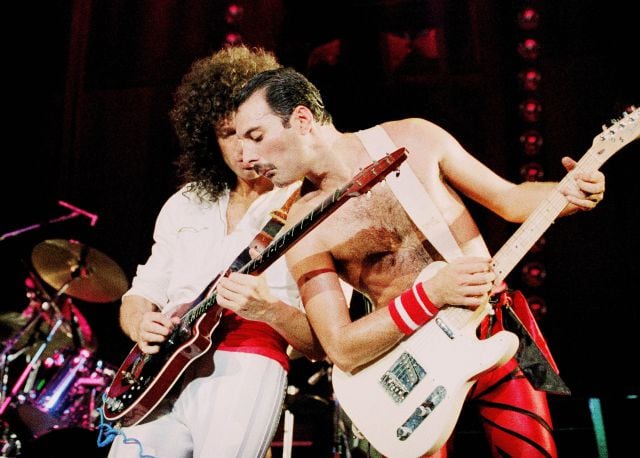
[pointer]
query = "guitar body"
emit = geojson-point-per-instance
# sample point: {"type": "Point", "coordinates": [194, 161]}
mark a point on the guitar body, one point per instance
{"type": "Point", "coordinates": [407, 402]}
{"type": "Point", "coordinates": [137, 389]}
{"type": "Point", "coordinates": [443, 376]}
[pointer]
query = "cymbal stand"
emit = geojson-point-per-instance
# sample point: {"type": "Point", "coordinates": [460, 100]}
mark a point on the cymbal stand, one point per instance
{"type": "Point", "coordinates": [27, 370]}
{"type": "Point", "coordinates": [6, 357]}
{"type": "Point", "coordinates": [287, 430]}
{"type": "Point", "coordinates": [40, 296]}
{"type": "Point", "coordinates": [36, 357]}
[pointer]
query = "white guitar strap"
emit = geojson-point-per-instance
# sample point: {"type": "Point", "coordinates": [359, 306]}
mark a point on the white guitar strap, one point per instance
{"type": "Point", "coordinates": [412, 194]}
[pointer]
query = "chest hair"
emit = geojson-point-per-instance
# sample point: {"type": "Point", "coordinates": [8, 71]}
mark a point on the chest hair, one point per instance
{"type": "Point", "coordinates": [376, 246]}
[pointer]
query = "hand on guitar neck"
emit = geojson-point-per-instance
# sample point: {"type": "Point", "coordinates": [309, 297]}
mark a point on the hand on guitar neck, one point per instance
{"type": "Point", "coordinates": [463, 282]}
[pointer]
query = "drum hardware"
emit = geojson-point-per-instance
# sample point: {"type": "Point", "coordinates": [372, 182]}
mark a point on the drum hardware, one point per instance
{"type": "Point", "coordinates": [47, 258]}
{"type": "Point", "coordinates": [10, 444]}
{"type": "Point", "coordinates": [69, 399]}
{"type": "Point", "coordinates": [30, 366]}
{"type": "Point", "coordinates": [6, 357]}
{"type": "Point", "coordinates": [53, 401]}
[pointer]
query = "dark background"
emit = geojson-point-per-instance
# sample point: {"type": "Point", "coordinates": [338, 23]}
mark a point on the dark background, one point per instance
{"type": "Point", "coordinates": [88, 85]}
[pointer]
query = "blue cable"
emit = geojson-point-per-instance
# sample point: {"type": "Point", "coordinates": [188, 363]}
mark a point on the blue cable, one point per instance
{"type": "Point", "coordinates": [107, 434]}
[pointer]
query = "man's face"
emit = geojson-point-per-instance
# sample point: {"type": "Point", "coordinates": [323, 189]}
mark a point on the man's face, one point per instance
{"type": "Point", "coordinates": [231, 148]}
{"type": "Point", "coordinates": [267, 145]}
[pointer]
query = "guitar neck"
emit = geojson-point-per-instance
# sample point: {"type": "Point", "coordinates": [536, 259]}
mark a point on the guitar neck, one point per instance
{"type": "Point", "coordinates": [280, 245]}
{"type": "Point", "coordinates": [362, 182]}
{"type": "Point", "coordinates": [542, 217]}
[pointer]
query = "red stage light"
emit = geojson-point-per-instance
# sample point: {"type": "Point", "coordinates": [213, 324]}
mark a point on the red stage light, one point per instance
{"type": "Point", "coordinates": [234, 14]}
{"type": "Point", "coordinates": [530, 110]}
{"type": "Point", "coordinates": [538, 306]}
{"type": "Point", "coordinates": [528, 19]}
{"type": "Point", "coordinates": [529, 49]}
{"type": "Point", "coordinates": [233, 39]}
{"type": "Point", "coordinates": [530, 79]}
{"type": "Point", "coordinates": [533, 273]}
{"type": "Point", "coordinates": [532, 172]}
{"type": "Point", "coordinates": [531, 141]}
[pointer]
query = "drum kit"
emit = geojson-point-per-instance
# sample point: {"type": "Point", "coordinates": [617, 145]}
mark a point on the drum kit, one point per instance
{"type": "Point", "coordinates": [50, 378]}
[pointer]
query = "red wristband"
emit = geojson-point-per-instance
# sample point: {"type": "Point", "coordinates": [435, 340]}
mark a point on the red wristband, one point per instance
{"type": "Point", "coordinates": [412, 309]}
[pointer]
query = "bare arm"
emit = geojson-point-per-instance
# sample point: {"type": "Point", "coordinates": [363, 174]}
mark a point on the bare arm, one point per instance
{"type": "Point", "coordinates": [250, 297]}
{"type": "Point", "coordinates": [350, 344]}
{"type": "Point", "coordinates": [437, 153]}
{"type": "Point", "coordinates": [516, 202]}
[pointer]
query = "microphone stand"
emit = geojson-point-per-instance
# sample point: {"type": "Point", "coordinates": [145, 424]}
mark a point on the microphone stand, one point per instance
{"type": "Point", "coordinates": [75, 212]}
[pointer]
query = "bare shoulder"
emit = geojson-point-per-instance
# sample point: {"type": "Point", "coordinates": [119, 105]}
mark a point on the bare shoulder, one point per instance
{"type": "Point", "coordinates": [412, 126]}
{"type": "Point", "coordinates": [310, 251]}
{"type": "Point", "coordinates": [419, 136]}
{"type": "Point", "coordinates": [426, 142]}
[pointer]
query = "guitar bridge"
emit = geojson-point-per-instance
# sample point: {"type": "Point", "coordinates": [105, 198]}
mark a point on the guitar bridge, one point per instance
{"type": "Point", "coordinates": [402, 377]}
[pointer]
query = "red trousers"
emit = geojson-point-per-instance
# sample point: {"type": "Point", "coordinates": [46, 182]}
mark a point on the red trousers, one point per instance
{"type": "Point", "coordinates": [515, 416]}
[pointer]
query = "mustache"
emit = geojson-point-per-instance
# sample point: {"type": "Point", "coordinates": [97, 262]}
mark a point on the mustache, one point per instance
{"type": "Point", "coordinates": [262, 169]}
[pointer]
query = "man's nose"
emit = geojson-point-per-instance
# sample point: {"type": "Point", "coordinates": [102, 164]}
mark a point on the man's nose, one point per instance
{"type": "Point", "coordinates": [249, 155]}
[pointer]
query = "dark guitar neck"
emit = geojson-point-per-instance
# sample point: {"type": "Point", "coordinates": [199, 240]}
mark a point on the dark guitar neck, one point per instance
{"type": "Point", "coordinates": [271, 253]}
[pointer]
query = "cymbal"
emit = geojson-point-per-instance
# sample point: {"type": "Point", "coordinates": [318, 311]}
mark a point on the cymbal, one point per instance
{"type": "Point", "coordinates": [78, 270]}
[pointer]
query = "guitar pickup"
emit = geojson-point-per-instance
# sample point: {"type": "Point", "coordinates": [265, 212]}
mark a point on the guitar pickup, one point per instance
{"type": "Point", "coordinates": [421, 412]}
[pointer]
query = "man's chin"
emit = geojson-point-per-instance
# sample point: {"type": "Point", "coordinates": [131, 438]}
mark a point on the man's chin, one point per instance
{"type": "Point", "coordinates": [249, 174]}
{"type": "Point", "coordinates": [280, 183]}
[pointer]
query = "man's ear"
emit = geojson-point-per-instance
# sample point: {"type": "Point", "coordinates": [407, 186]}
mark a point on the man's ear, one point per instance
{"type": "Point", "coordinates": [302, 118]}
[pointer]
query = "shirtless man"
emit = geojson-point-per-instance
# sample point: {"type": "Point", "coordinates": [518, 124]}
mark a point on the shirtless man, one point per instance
{"type": "Point", "coordinates": [374, 246]}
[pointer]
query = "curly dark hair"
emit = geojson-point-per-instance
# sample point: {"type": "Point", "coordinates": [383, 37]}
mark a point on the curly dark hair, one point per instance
{"type": "Point", "coordinates": [202, 103]}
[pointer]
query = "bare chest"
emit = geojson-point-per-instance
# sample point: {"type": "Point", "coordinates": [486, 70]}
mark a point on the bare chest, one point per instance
{"type": "Point", "coordinates": [375, 245]}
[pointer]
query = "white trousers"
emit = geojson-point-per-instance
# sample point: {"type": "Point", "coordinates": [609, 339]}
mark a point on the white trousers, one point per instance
{"type": "Point", "coordinates": [234, 412]}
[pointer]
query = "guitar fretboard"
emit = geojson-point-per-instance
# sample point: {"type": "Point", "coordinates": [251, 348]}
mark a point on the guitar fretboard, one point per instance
{"type": "Point", "coordinates": [280, 245]}
{"type": "Point", "coordinates": [272, 252]}
{"type": "Point", "coordinates": [544, 215]}
{"type": "Point", "coordinates": [371, 175]}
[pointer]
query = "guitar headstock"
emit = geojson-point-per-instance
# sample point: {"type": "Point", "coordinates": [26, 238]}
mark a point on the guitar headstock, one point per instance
{"type": "Point", "coordinates": [622, 131]}
{"type": "Point", "coordinates": [376, 172]}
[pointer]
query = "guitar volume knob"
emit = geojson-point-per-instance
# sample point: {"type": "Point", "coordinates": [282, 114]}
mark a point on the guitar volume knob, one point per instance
{"type": "Point", "coordinates": [403, 432]}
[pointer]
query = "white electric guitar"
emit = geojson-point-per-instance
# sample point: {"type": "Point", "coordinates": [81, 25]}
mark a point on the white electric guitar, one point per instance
{"type": "Point", "coordinates": [407, 402]}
